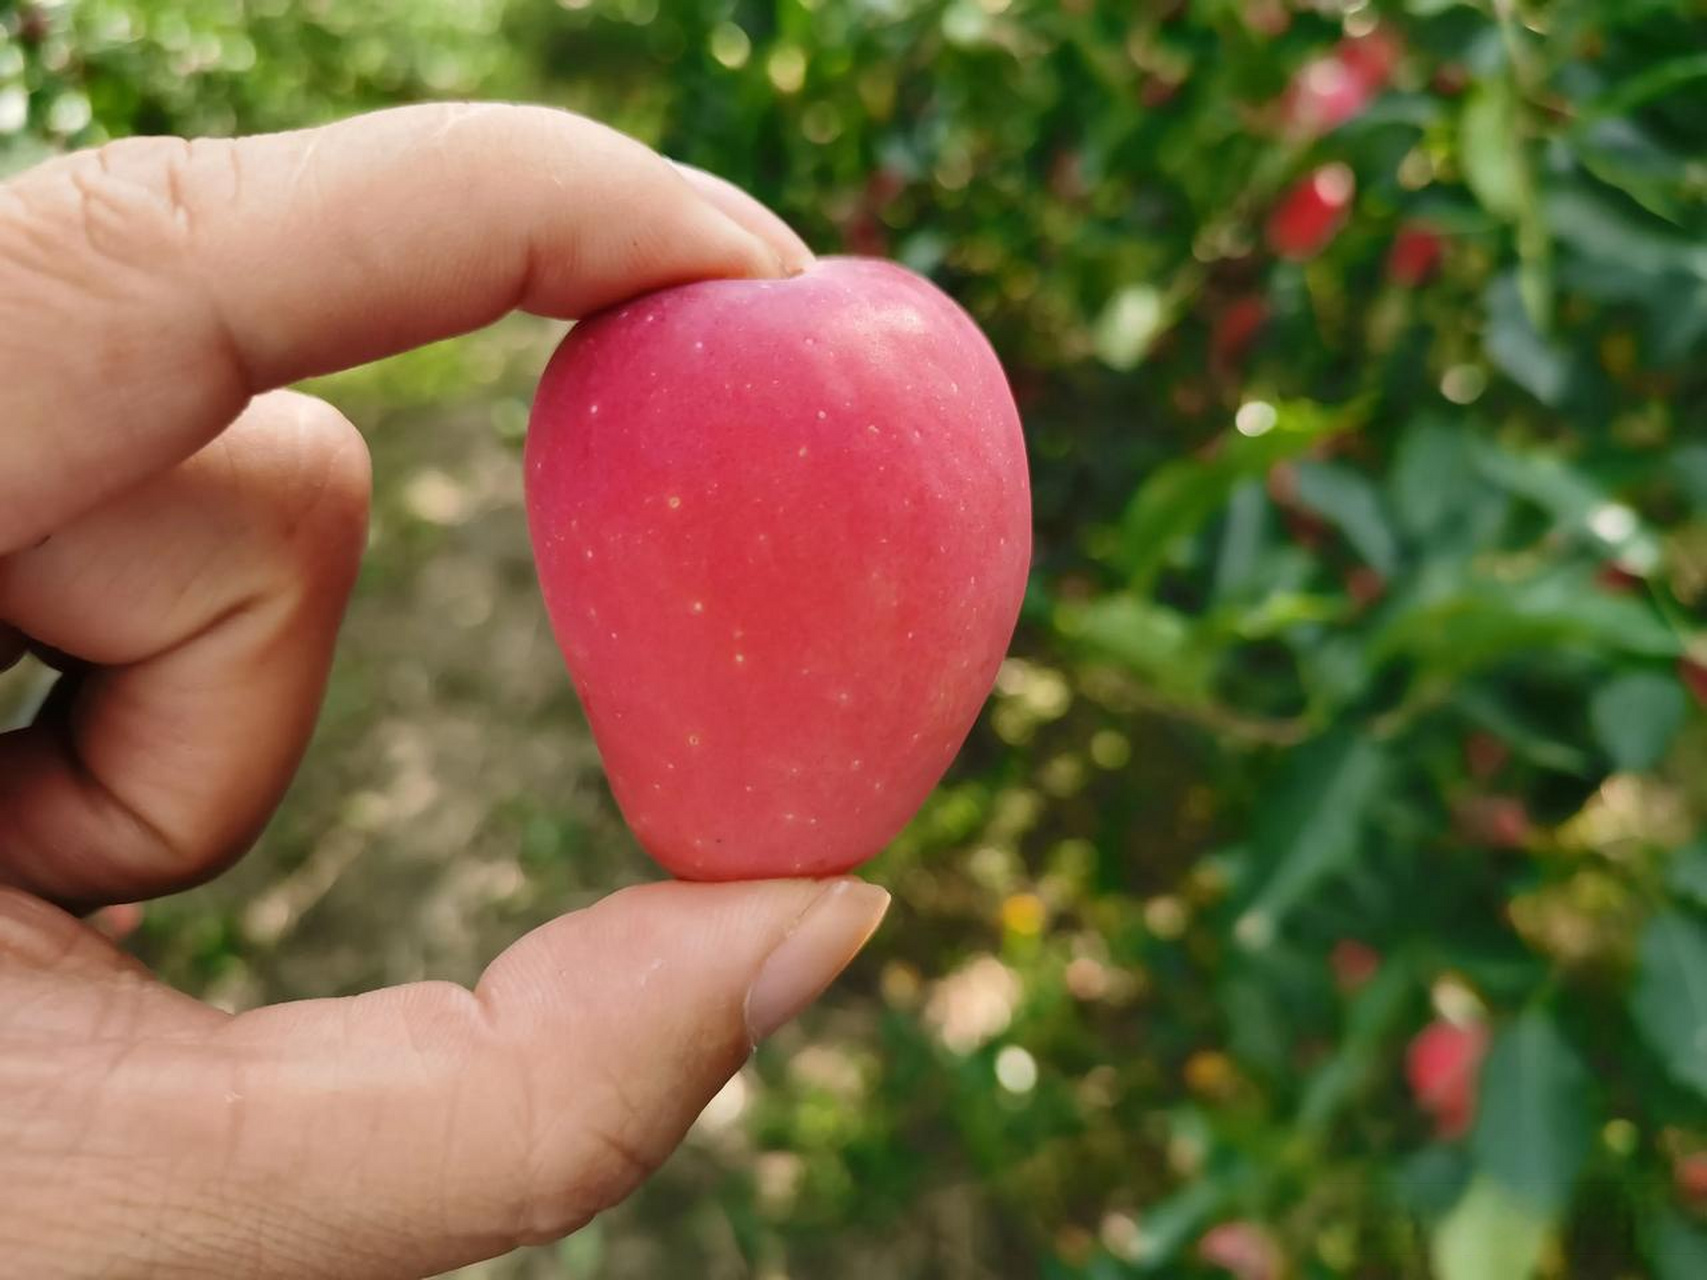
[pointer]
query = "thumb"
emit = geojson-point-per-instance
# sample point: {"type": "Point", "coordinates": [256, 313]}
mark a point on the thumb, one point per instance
{"type": "Point", "coordinates": [419, 1128]}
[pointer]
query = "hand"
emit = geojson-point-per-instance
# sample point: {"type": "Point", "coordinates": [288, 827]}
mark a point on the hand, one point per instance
{"type": "Point", "coordinates": [180, 537]}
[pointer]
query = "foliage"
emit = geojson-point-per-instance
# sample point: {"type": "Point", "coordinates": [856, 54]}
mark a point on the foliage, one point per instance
{"type": "Point", "coordinates": [1367, 608]}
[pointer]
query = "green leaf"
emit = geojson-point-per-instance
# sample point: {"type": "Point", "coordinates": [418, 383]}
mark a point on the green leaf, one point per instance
{"type": "Point", "coordinates": [1636, 716]}
{"type": "Point", "coordinates": [1172, 1223]}
{"type": "Point", "coordinates": [1626, 157]}
{"type": "Point", "coordinates": [1577, 502]}
{"type": "Point", "coordinates": [1435, 459]}
{"type": "Point", "coordinates": [1489, 1235]}
{"type": "Point", "coordinates": [1490, 149]}
{"type": "Point", "coordinates": [1687, 873]}
{"type": "Point", "coordinates": [583, 1254]}
{"type": "Point", "coordinates": [1676, 1246]}
{"type": "Point", "coordinates": [1650, 82]}
{"type": "Point", "coordinates": [1537, 364]}
{"type": "Point", "coordinates": [1158, 644]}
{"type": "Point", "coordinates": [923, 251]}
{"type": "Point", "coordinates": [1241, 539]}
{"type": "Point", "coordinates": [1311, 825]}
{"type": "Point", "coordinates": [1281, 611]}
{"type": "Point", "coordinates": [1528, 739]}
{"type": "Point", "coordinates": [1545, 479]}
{"type": "Point", "coordinates": [1669, 1000]}
{"type": "Point", "coordinates": [1479, 620]}
{"type": "Point", "coordinates": [1533, 1119]}
{"type": "Point", "coordinates": [1535, 279]}
{"type": "Point", "coordinates": [1180, 496]}
{"type": "Point", "coordinates": [1353, 504]}
{"type": "Point", "coordinates": [1596, 228]}
{"type": "Point", "coordinates": [1430, 1182]}
{"type": "Point", "coordinates": [1689, 466]}
{"type": "Point", "coordinates": [1369, 1025]}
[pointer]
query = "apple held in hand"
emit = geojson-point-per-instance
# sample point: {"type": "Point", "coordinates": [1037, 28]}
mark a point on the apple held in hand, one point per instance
{"type": "Point", "coordinates": [783, 531]}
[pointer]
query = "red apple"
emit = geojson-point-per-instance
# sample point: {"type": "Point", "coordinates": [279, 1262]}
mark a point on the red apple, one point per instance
{"type": "Point", "coordinates": [1311, 214]}
{"type": "Point", "coordinates": [1443, 1065]}
{"type": "Point", "coordinates": [1323, 95]}
{"type": "Point", "coordinates": [1485, 755]}
{"type": "Point", "coordinates": [1244, 1250]}
{"type": "Point", "coordinates": [1354, 964]}
{"type": "Point", "coordinates": [783, 530]}
{"type": "Point", "coordinates": [1266, 17]}
{"type": "Point", "coordinates": [1371, 57]}
{"type": "Point", "coordinates": [1414, 256]}
{"type": "Point", "coordinates": [1335, 87]}
{"type": "Point", "coordinates": [1689, 1177]}
{"type": "Point", "coordinates": [1693, 673]}
{"type": "Point", "coordinates": [1236, 329]}
{"type": "Point", "coordinates": [1494, 821]}
{"type": "Point", "coordinates": [1364, 585]}
{"type": "Point", "coordinates": [1615, 578]}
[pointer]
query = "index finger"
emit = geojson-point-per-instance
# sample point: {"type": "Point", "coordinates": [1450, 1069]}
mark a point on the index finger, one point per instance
{"type": "Point", "coordinates": [149, 288]}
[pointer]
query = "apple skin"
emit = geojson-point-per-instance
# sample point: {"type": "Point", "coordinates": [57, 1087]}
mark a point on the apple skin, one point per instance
{"type": "Point", "coordinates": [783, 529]}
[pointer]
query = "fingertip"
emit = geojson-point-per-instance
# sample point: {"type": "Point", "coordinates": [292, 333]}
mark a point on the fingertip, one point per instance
{"type": "Point", "coordinates": [832, 930]}
{"type": "Point", "coordinates": [791, 253]}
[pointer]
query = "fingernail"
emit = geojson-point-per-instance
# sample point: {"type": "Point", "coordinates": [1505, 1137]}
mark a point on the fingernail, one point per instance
{"type": "Point", "coordinates": [791, 260]}
{"type": "Point", "coordinates": [783, 244]}
{"type": "Point", "coordinates": [820, 945]}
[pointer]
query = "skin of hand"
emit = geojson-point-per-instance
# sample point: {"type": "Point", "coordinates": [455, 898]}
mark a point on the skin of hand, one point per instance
{"type": "Point", "coordinates": [180, 537]}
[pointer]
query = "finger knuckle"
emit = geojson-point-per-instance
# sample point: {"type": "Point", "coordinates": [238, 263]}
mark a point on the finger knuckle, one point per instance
{"type": "Point", "coordinates": [109, 224]}
{"type": "Point", "coordinates": [323, 499]}
{"type": "Point", "coordinates": [33, 934]}
{"type": "Point", "coordinates": [134, 203]}
{"type": "Point", "coordinates": [614, 1150]}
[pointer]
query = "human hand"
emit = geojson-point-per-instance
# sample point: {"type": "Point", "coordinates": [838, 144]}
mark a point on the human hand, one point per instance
{"type": "Point", "coordinates": [181, 536]}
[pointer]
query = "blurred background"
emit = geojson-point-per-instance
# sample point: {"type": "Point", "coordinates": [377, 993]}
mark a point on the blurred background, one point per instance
{"type": "Point", "coordinates": [1324, 892]}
